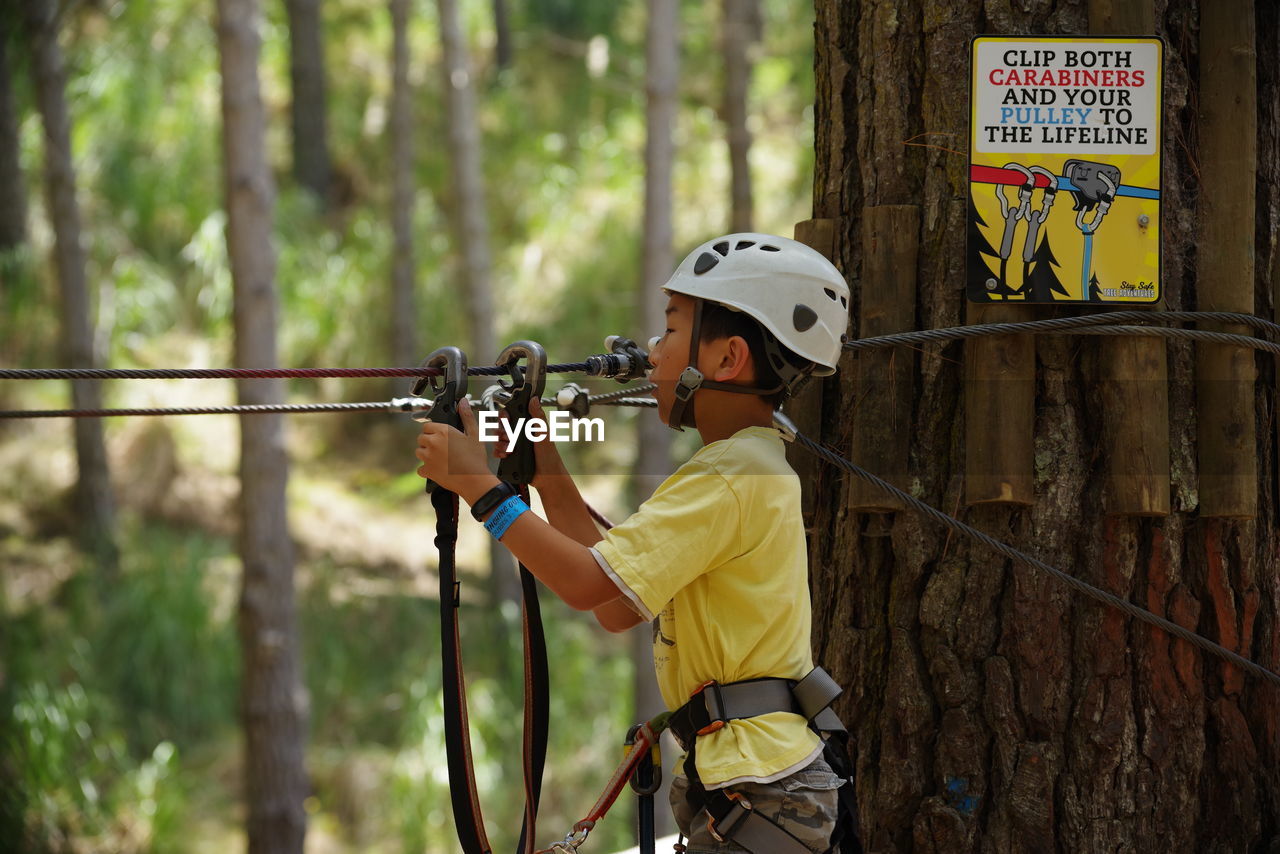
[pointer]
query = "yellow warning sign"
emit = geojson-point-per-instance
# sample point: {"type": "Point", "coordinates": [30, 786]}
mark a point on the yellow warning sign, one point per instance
{"type": "Point", "coordinates": [1064, 170]}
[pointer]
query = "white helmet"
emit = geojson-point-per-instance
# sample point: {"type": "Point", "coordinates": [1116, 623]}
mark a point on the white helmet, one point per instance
{"type": "Point", "coordinates": [795, 294]}
{"type": "Point", "coordinates": [788, 287]}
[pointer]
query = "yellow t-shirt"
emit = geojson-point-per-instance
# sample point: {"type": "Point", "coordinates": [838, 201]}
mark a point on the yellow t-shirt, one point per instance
{"type": "Point", "coordinates": [718, 555]}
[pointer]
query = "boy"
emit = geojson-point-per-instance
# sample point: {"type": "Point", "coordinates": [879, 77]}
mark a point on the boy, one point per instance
{"type": "Point", "coordinates": [716, 558]}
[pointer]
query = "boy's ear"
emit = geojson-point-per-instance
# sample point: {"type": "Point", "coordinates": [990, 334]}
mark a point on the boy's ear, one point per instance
{"type": "Point", "coordinates": [733, 359]}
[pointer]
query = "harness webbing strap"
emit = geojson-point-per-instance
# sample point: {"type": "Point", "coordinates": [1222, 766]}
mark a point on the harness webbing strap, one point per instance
{"type": "Point", "coordinates": [467, 817]}
{"type": "Point", "coordinates": [457, 733]}
{"type": "Point", "coordinates": [537, 703]}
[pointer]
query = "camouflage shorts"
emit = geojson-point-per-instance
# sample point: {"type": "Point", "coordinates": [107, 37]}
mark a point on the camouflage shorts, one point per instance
{"type": "Point", "coordinates": [803, 804]}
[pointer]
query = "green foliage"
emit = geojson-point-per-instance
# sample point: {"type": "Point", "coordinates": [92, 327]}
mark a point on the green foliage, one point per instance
{"type": "Point", "coordinates": [75, 774]}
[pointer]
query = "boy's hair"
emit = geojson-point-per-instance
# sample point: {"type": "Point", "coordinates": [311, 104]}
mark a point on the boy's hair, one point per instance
{"type": "Point", "coordinates": [719, 322]}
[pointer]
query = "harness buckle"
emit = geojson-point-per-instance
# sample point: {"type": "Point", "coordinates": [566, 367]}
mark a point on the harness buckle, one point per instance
{"type": "Point", "coordinates": [525, 386]}
{"type": "Point", "coordinates": [713, 701]}
{"type": "Point", "coordinates": [690, 381]}
{"type": "Point", "coordinates": [729, 824]}
{"type": "Point", "coordinates": [448, 391]}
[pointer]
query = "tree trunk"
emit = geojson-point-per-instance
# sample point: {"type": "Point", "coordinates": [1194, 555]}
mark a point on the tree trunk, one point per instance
{"type": "Point", "coordinates": [272, 697]}
{"type": "Point", "coordinates": [992, 710]}
{"type": "Point", "coordinates": [503, 50]}
{"type": "Point", "coordinates": [404, 309]}
{"type": "Point", "coordinates": [471, 232]}
{"type": "Point", "coordinates": [311, 166]}
{"type": "Point", "coordinates": [471, 223]}
{"type": "Point", "coordinates": [653, 458]}
{"type": "Point", "coordinates": [653, 452]}
{"type": "Point", "coordinates": [13, 191]}
{"type": "Point", "coordinates": [95, 505]}
{"type": "Point", "coordinates": [738, 18]}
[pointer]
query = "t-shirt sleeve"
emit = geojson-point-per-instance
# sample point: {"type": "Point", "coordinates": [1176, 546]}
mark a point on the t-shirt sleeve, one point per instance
{"type": "Point", "coordinates": [690, 525]}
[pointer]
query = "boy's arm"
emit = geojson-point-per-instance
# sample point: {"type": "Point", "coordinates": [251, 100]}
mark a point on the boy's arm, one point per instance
{"type": "Point", "coordinates": [566, 510]}
{"type": "Point", "coordinates": [457, 461]}
{"type": "Point", "coordinates": [617, 615]}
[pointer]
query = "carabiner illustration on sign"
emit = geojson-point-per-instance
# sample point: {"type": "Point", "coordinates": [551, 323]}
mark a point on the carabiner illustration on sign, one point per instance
{"type": "Point", "coordinates": [1056, 121]}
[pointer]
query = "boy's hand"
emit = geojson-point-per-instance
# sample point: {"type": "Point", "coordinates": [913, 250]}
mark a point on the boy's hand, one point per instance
{"type": "Point", "coordinates": [546, 457]}
{"type": "Point", "coordinates": [455, 460]}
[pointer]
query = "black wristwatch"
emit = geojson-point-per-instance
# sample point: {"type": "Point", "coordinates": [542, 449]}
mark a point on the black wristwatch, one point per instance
{"type": "Point", "coordinates": [491, 499]}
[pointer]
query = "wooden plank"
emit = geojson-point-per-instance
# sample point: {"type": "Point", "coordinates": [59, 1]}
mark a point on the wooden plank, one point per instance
{"type": "Point", "coordinates": [1133, 372]}
{"type": "Point", "coordinates": [1225, 374]}
{"type": "Point", "coordinates": [884, 378]}
{"type": "Point", "coordinates": [805, 409]}
{"type": "Point", "coordinates": [1134, 394]}
{"type": "Point", "coordinates": [999, 410]}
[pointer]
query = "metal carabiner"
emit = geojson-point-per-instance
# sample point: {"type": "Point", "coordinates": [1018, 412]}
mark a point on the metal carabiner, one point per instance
{"type": "Point", "coordinates": [447, 390]}
{"type": "Point", "coordinates": [1012, 215]}
{"type": "Point", "coordinates": [526, 385]}
{"type": "Point", "coordinates": [1104, 204]}
{"type": "Point", "coordinates": [1036, 218]}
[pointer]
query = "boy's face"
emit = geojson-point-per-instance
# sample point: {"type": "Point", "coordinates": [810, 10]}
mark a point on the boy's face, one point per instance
{"type": "Point", "coordinates": [670, 356]}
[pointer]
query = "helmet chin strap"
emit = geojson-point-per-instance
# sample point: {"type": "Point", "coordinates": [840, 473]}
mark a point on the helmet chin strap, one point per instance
{"type": "Point", "coordinates": [691, 379]}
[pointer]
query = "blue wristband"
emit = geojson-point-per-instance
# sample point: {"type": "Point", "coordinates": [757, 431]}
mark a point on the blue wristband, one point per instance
{"type": "Point", "coordinates": [504, 516]}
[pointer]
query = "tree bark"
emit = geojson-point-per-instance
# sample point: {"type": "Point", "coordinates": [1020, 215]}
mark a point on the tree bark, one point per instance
{"type": "Point", "coordinates": [13, 191]}
{"type": "Point", "coordinates": [992, 710]}
{"type": "Point", "coordinates": [272, 697]}
{"type": "Point", "coordinates": [95, 504]}
{"type": "Point", "coordinates": [737, 22]}
{"type": "Point", "coordinates": [404, 308]}
{"type": "Point", "coordinates": [311, 165]}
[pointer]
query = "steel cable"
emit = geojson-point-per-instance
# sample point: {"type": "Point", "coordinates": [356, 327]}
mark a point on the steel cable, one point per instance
{"type": "Point", "coordinates": [1060, 324]}
{"type": "Point", "coordinates": [1015, 555]}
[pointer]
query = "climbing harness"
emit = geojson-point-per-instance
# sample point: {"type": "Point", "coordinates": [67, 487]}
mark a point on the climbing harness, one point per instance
{"type": "Point", "coordinates": [1095, 189]}
{"type": "Point", "coordinates": [731, 816]}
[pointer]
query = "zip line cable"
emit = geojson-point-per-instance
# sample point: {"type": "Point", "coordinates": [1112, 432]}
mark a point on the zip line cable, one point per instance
{"type": "Point", "coordinates": [398, 404]}
{"type": "Point", "coordinates": [255, 373]}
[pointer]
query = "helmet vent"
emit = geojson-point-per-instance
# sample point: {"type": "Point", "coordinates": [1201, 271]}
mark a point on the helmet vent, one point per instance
{"type": "Point", "coordinates": [844, 303]}
{"type": "Point", "coordinates": [803, 317]}
{"type": "Point", "coordinates": [830, 293]}
{"type": "Point", "coordinates": [722, 247]}
{"type": "Point", "coordinates": [770, 249]}
{"type": "Point", "coordinates": [745, 244]}
{"type": "Point", "coordinates": [704, 263]}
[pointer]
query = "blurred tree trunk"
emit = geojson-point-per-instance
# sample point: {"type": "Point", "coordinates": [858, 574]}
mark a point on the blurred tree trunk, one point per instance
{"type": "Point", "coordinates": [13, 191]}
{"type": "Point", "coordinates": [662, 40]}
{"type": "Point", "coordinates": [503, 50]}
{"type": "Point", "coordinates": [471, 231]}
{"type": "Point", "coordinates": [739, 23]}
{"type": "Point", "coordinates": [272, 697]}
{"type": "Point", "coordinates": [404, 308]}
{"type": "Point", "coordinates": [471, 223]}
{"type": "Point", "coordinates": [653, 454]}
{"type": "Point", "coordinates": [993, 710]}
{"type": "Point", "coordinates": [95, 505]}
{"type": "Point", "coordinates": [311, 166]}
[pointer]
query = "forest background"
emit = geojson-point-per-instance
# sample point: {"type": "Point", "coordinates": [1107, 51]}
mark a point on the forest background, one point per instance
{"type": "Point", "coordinates": [118, 685]}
